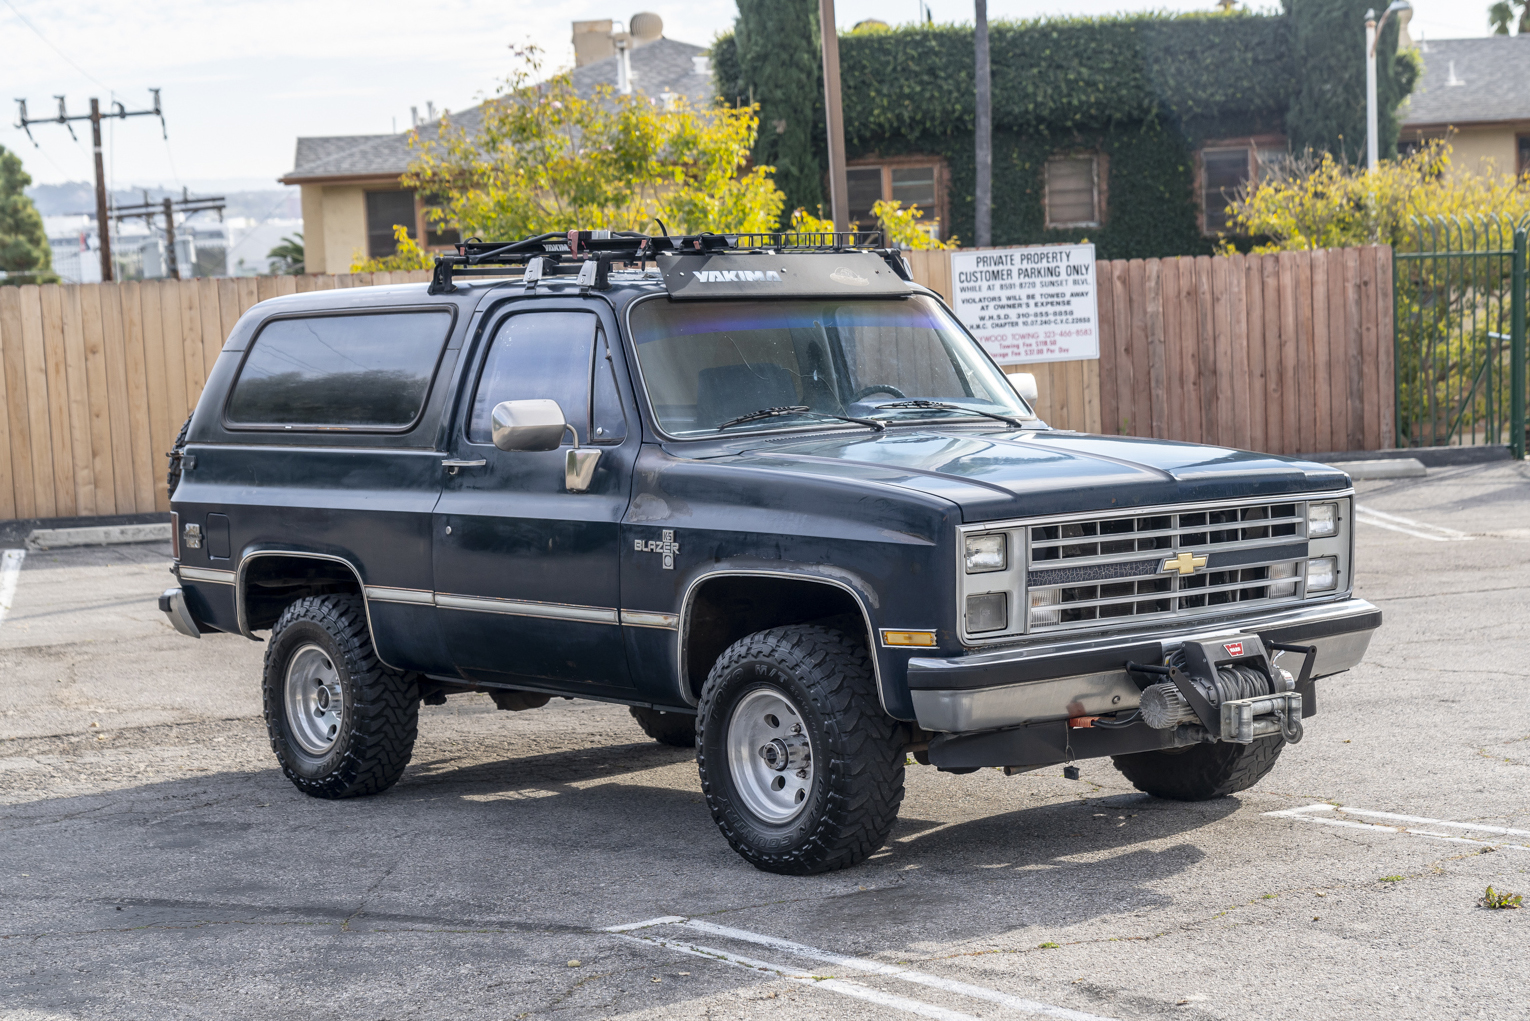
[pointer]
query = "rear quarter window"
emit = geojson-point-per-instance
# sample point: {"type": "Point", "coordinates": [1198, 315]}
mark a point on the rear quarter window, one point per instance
{"type": "Point", "coordinates": [367, 372]}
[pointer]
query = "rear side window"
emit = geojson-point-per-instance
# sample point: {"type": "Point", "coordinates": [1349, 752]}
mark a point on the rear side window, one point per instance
{"type": "Point", "coordinates": [357, 372]}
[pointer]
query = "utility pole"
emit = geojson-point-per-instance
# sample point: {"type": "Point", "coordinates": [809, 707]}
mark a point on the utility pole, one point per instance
{"type": "Point", "coordinates": [983, 129]}
{"type": "Point", "coordinates": [95, 117]}
{"type": "Point", "coordinates": [168, 207]}
{"type": "Point", "coordinates": [172, 264]}
{"type": "Point", "coordinates": [834, 117]}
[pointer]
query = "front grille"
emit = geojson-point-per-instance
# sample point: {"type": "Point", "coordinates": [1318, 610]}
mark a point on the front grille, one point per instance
{"type": "Point", "coordinates": [1085, 573]}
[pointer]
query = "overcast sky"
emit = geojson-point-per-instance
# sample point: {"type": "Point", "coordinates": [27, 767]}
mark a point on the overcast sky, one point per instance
{"type": "Point", "coordinates": [242, 79]}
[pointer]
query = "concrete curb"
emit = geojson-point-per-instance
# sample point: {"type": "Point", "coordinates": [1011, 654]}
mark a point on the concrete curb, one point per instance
{"type": "Point", "coordinates": [1387, 468]}
{"type": "Point", "coordinates": [97, 535]}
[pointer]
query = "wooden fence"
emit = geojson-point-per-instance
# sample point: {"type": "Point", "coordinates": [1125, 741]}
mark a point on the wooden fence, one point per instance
{"type": "Point", "coordinates": [96, 380]}
{"type": "Point", "coordinates": [1288, 353]}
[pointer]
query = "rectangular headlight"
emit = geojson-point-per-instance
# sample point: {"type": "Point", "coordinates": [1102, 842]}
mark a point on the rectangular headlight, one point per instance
{"type": "Point", "coordinates": [1322, 520]}
{"type": "Point", "coordinates": [987, 612]}
{"type": "Point", "coordinates": [987, 553]}
{"type": "Point", "coordinates": [1322, 574]}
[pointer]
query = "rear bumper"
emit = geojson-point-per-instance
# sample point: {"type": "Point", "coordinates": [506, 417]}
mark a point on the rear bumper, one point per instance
{"type": "Point", "coordinates": [1058, 680]}
{"type": "Point", "coordinates": [172, 603]}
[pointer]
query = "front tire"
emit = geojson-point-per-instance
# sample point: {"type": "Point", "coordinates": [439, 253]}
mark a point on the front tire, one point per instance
{"type": "Point", "coordinates": [1201, 772]}
{"type": "Point", "coordinates": [801, 767]}
{"type": "Point", "coordinates": [342, 724]}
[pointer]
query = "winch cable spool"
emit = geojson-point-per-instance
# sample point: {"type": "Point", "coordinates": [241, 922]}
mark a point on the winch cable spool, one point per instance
{"type": "Point", "coordinates": [1164, 705]}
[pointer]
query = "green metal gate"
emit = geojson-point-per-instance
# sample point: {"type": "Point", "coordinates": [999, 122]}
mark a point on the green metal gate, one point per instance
{"type": "Point", "coordinates": [1458, 292]}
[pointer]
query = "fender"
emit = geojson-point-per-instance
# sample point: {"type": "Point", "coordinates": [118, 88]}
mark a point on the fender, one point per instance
{"type": "Point", "coordinates": [239, 589]}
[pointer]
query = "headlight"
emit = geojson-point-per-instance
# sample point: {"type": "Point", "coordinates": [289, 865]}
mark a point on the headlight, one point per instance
{"type": "Point", "coordinates": [1322, 520]}
{"type": "Point", "coordinates": [1279, 590]}
{"type": "Point", "coordinates": [987, 612]}
{"type": "Point", "coordinates": [987, 553]}
{"type": "Point", "coordinates": [1322, 574]}
{"type": "Point", "coordinates": [1044, 609]}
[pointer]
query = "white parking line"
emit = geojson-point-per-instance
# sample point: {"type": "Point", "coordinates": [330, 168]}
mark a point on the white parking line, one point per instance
{"type": "Point", "coordinates": [1441, 829]}
{"type": "Point", "coordinates": [1407, 526]}
{"type": "Point", "coordinates": [10, 570]}
{"type": "Point", "coordinates": [841, 986]}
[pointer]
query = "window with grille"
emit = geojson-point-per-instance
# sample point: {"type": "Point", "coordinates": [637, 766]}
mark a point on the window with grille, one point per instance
{"type": "Point", "coordinates": [1073, 192]}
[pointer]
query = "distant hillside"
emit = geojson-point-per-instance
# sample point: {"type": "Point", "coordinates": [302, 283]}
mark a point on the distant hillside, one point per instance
{"type": "Point", "coordinates": [80, 197]}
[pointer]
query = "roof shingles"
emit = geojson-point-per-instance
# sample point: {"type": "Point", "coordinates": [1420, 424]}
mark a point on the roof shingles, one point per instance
{"type": "Point", "coordinates": [1491, 82]}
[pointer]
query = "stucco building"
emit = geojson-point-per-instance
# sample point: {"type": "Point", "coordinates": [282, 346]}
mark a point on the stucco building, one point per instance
{"type": "Point", "coordinates": [1476, 91]}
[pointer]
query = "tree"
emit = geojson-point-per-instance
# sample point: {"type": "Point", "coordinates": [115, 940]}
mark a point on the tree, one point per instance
{"type": "Point", "coordinates": [407, 254]}
{"type": "Point", "coordinates": [25, 256]}
{"type": "Point", "coordinates": [779, 67]}
{"type": "Point", "coordinates": [1501, 15]}
{"type": "Point", "coordinates": [545, 159]}
{"type": "Point", "coordinates": [287, 257]}
{"type": "Point", "coordinates": [1328, 113]}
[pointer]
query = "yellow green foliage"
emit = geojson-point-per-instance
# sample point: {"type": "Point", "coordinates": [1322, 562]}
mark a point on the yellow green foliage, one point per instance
{"type": "Point", "coordinates": [1327, 204]}
{"type": "Point", "coordinates": [407, 254]}
{"type": "Point", "coordinates": [900, 227]}
{"type": "Point", "coordinates": [545, 159]}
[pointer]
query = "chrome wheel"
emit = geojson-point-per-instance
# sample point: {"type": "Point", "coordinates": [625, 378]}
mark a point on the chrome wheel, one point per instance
{"type": "Point", "coordinates": [315, 705]}
{"type": "Point", "coordinates": [770, 756]}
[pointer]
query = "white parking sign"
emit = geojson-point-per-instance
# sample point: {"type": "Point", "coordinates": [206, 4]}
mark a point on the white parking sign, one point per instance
{"type": "Point", "coordinates": [1029, 304]}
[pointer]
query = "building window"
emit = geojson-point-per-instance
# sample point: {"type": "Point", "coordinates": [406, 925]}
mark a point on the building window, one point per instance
{"type": "Point", "coordinates": [913, 181]}
{"type": "Point", "coordinates": [1072, 191]}
{"type": "Point", "coordinates": [384, 209]}
{"type": "Point", "coordinates": [1224, 172]}
{"type": "Point", "coordinates": [1523, 147]}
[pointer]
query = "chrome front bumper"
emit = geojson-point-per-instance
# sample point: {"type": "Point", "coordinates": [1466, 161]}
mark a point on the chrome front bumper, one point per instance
{"type": "Point", "coordinates": [1058, 680]}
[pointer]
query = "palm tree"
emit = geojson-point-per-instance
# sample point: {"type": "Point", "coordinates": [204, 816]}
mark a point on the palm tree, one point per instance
{"type": "Point", "coordinates": [1501, 14]}
{"type": "Point", "coordinates": [287, 257]}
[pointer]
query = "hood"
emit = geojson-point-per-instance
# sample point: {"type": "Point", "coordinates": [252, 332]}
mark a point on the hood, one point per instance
{"type": "Point", "coordinates": [999, 475]}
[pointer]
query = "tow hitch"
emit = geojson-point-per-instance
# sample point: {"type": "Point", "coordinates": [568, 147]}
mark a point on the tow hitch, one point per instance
{"type": "Point", "coordinates": [1231, 687]}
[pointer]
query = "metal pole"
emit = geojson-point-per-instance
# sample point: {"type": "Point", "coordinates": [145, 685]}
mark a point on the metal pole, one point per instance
{"type": "Point", "coordinates": [1517, 350]}
{"type": "Point", "coordinates": [103, 224]}
{"type": "Point", "coordinates": [983, 214]}
{"type": "Point", "coordinates": [172, 265]}
{"type": "Point", "coordinates": [834, 117]}
{"type": "Point", "coordinates": [1370, 90]}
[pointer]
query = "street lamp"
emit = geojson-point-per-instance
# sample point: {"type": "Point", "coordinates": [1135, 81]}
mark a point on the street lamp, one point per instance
{"type": "Point", "coordinates": [1372, 33]}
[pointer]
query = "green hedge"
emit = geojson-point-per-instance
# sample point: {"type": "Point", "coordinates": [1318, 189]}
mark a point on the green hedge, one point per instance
{"type": "Point", "coordinates": [1144, 89]}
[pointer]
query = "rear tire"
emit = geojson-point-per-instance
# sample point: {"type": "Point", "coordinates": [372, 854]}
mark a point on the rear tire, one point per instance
{"type": "Point", "coordinates": [801, 767]}
{"type": "Point", "coordinates": [678, 730]}
{"type": "Point", "coordinates": [1201, 772]}
{"type": "Point", "coordinates": [342, 724]}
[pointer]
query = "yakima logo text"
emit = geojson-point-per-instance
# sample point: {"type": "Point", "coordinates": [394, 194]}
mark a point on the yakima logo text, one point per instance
{"type": "Point", "coordinates": [724, 276]}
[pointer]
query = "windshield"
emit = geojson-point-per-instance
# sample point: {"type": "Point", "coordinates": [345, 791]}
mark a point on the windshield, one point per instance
{"type": "Point", "coordinates": [712, 364]}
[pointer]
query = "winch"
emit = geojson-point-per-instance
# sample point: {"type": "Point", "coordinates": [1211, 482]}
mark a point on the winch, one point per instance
{"type": "Point", "coordinates": [1230, 686]}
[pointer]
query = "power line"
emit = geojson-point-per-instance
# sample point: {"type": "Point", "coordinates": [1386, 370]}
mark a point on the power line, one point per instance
{"type": "Point", "coordinates": [38, 32]}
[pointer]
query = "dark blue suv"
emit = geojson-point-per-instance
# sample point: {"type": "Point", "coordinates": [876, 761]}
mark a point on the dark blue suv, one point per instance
{"type": "Point", "coordinates": [769, 493]}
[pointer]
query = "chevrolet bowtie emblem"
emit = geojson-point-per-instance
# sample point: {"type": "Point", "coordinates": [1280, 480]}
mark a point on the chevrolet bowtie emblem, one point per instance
{"type": "Point", "coordinates": [1185, 563]}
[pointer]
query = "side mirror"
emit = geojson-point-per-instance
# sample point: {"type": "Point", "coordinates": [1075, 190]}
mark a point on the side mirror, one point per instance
{"type": "Point", "coordinates": [1025, 385]}
{"type": "Point", "coordinates": [528, 425]}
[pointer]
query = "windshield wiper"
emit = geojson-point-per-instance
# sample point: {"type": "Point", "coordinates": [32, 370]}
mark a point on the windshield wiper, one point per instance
{"type": "Point", "coordinates": [943, 406]}
{"type": "Point", "coordinates": [799, 409]}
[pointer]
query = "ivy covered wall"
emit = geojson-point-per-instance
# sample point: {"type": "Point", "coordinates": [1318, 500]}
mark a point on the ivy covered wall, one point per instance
{"type": "Point", "coordinates": [1144, 90]}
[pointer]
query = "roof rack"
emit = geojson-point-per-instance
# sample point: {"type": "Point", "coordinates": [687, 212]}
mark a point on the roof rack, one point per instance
{"type": "Point", "coordinates": [589, 254]}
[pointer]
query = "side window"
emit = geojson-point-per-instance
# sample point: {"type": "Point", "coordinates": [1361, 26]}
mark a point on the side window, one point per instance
{"type": "Point", "coordinates": [537, 355]}
{"type": "Point", "coordinates": [1073, 192]}
{"type": "Point", "coordinates": [1223, 172]}
{"type": "Point", "coordinates": [352, 372]}
{"type": "Point", "coordinates": [607, 422]}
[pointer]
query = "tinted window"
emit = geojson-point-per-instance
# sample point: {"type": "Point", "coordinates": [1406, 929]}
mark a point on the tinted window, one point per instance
{"type": "Point", "coordinates": [539, 355]}
{"type": "Point", "coordinates": [350, 372]}
{"type": "Point", "coordinates": [607, 422]}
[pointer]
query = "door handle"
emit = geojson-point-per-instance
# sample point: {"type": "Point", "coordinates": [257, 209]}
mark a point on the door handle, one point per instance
{"type": "Point", "coordinates": [452, 465]}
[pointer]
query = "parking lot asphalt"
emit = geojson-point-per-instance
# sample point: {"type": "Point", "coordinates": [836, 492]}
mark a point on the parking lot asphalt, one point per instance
{"type": "Point", "coordinates": [155, 864]}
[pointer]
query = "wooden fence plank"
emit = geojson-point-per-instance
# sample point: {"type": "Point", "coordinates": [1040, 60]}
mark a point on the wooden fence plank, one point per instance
{"type": "Point", "coordinates": [7, 482]}
{"type": "Point", "coordinates": [1121, 307]}
{"type": "Point", "coordinates": [1142, 380]}
{"type": "Point", "coordinates": [212, 322]}
{"type": "Point", "coordinates": [20, 498]}
{"type": "Point", "coordinates": [191, 338]}
{"type": "Point", "coordinates": [1190, 348]}
{"type": "Point", "coordinates": [1370, 353]}
{"type": "Point", "coordinates": [157, 388]}
{"type": "Point", "coordinates": [117, 398]}
{"type": "Point", "coordinates": [37, 400]}
{"type": "Point", "coordinates": [50, 299]}
{"type": "Point", "coordinates": [1253, 297]}
{"type": "Point", "coordinates": [1289, 342]}
{"type": "Point", "coordinates": [1338, 348]}
{"type": "Point", "coordinates": [1354, 369]}
{"type": "Point", "coordinates": [1237, 333]}
{"type": "Point", "coordinates": [1157, 369]}
{"type": "Point", "coordinates": [249, 293]}
{"type": "Point", "coordinates": [175, 353]}
{"type": "Point", "coordinates": [101, 467]}
{"type": "Point", "coordinates": [1321, 399]}
{"type": "Point", "coordinates": [1386, 407]}
{"type": "Point", "coordinates": [1168, 302]}
{"type": "Point", "coordinates": [79, 401]}
{"type": "Point", "coordinates": [1306, 431]}
{"type": "Point", "coordinates": [1110, 413]}
{"type": "Point", "coordinates": [1206, 311]}
{"type": "Point", "coordinates": [228, 308]}
{"type": "Point", "coordinates": [141, 434]}
{"type": "Point", "coordinates": [1092, 422]}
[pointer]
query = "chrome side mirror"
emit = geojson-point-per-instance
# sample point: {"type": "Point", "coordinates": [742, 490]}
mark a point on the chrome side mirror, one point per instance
{"type": "Point", "coordinates": [527, 425]}
{"type": "Point", "coordinates": [1025, 385]}
{"type": "Point", "coordinates": [540, 425]}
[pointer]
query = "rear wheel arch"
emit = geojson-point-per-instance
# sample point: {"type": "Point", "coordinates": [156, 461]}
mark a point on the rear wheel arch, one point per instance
{"type": "Point", "coordinates": [725, 606]}
{"type": "Point", "coordinates": [270, 580]}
